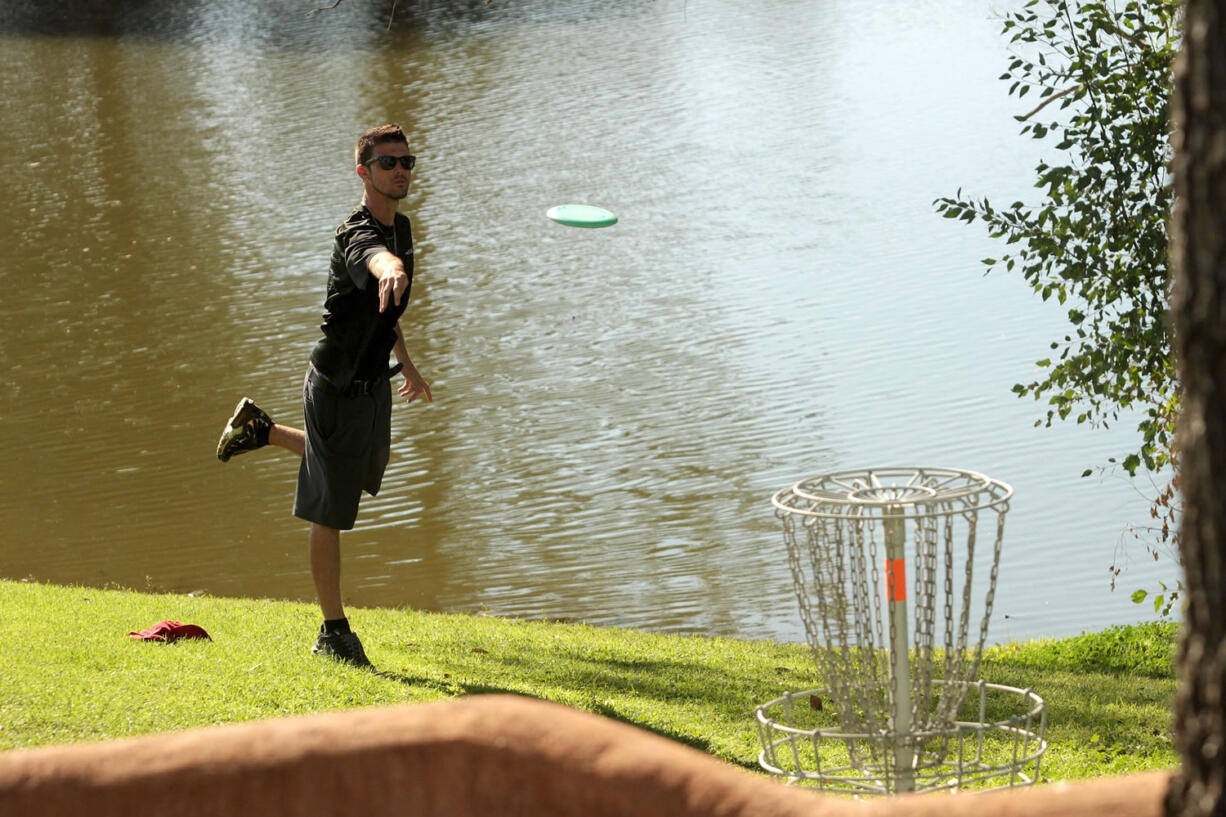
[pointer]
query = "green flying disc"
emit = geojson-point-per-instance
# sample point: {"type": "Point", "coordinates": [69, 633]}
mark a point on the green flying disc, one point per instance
{"type": "Point", "coordinates": [581, 215]}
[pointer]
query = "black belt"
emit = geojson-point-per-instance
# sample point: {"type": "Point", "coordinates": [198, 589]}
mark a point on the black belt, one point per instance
{"type": "Point", "coordinates": [356, 388]}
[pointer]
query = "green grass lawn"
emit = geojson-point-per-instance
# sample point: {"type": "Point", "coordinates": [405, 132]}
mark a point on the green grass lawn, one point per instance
{"type": "Point", "coordinates": [71, 673]}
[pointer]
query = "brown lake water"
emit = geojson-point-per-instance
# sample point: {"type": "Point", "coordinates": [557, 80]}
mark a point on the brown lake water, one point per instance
{"type": "Point", "coordinates": [613, 408]}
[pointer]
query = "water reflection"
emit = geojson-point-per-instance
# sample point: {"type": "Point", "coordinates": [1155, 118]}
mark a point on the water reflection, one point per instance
{"type": "Point", "coordinates": [613, 408]}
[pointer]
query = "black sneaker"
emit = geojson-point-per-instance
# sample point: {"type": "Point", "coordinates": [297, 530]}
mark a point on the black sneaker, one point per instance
{"type": "Point", "coordinates": [247, 430]}
{"type": "Point", "coordinates": [343, 647]}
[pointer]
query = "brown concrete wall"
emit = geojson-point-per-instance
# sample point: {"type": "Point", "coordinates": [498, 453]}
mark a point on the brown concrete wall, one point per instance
{"type": "Point", "coordinates": [489, 755]}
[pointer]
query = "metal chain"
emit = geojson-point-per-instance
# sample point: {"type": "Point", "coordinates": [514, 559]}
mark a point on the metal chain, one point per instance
{"type": "Point", "coordinates": [874, 584]}
{"type": "Point", "coordinates": [835, 661]}
{"type": "Point", "coordinates": [1001, 510]}
{"type": "Point", "coordinates": [925, 534]}
{"type": "Point", "coordinates": [798, 580]}
{"type": "Point", "coordinates": [950, 698]}
{"type": "Point", "coordinates": [949, 585]}
{"type": "Point", "coordinates": [972, 538]}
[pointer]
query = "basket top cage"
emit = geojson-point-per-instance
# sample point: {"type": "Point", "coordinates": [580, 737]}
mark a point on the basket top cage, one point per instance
{"type": "Point", "coordinates": [912, 492]}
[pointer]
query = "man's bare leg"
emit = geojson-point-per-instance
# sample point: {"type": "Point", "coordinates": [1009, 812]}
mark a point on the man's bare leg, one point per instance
{"type": "Point", "coordinates": [325, 542]}
{"type": "Point", "coordinates": [326, 569]}
{"type": "Point", "coordinates": [335, 638]}
{"type": "Point", "coordinates": [288, 437]}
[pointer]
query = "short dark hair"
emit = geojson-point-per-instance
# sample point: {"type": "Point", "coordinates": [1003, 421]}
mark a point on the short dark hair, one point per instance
{"type": "Point", "coordinates": [377, 136]}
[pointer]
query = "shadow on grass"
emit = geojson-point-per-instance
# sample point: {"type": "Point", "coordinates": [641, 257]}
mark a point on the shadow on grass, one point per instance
{"type": "Point", "coordinates": [459, 689]}
{"type": "Point", "coordinates": [673, 680]}
{"type": "Point", "coordinates": [453, 689]}
{"type": "Point", "coordinates": [694, 742]}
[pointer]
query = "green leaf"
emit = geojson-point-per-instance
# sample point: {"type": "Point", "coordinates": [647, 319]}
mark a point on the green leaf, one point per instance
{"type": "Point", "coordinates": [1139, 596]}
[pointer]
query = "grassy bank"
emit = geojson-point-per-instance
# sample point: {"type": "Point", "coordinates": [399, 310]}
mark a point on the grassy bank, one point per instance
{"type": "Point", "coordinates": [72, 674]}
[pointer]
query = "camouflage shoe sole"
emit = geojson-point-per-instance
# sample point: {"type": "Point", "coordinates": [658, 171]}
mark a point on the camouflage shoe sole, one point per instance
{"type": "Point", "coordinates": [247, 430]}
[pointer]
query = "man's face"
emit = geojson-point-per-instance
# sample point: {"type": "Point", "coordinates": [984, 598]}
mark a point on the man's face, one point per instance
{"type": "Point", "coordinates": [394, 182]}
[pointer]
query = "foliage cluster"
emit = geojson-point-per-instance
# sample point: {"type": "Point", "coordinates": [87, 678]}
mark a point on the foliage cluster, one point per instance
{"type": "Point", "coordinates": [1097, 241]}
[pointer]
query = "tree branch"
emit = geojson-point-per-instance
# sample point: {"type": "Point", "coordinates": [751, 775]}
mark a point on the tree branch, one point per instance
{"type": "Point", "coordinates": [325, 8]}
{"type": "Point", "coordinates": [390, 17]}
{"type": "Point", "coordinates": [1044, 103]}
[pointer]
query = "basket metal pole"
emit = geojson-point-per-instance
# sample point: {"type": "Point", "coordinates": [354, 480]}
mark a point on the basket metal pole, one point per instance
{"type": "Point", "coordinates": [900, 663]}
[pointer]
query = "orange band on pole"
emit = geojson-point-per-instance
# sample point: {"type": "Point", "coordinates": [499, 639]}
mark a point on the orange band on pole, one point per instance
{"type": "Point", "coordinates": [896, 579]}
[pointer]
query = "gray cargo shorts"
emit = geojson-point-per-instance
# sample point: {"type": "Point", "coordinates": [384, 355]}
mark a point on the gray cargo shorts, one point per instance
{"type": "Point", "coordinates": [348, 442]}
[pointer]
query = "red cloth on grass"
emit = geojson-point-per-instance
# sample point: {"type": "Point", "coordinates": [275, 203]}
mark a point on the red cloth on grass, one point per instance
{"type": "Point", "coordinates": [171, 631]}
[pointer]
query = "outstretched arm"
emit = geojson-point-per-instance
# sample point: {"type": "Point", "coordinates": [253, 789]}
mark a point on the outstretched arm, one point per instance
{"type": "Point", "coordinates": [388, 270]}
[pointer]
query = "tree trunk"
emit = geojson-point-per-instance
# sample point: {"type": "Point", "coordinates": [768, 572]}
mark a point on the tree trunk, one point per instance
{"type": "Point", "coordinates": [1198, 309]}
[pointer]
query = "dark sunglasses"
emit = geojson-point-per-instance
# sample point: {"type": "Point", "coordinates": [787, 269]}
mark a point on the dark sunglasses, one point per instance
{"type": "Point", "coordinates": [388, 162]}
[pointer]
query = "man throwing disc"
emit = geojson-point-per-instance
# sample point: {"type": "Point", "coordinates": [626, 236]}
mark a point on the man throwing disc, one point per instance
{"type": "Point", "coordinates": [346, 397]}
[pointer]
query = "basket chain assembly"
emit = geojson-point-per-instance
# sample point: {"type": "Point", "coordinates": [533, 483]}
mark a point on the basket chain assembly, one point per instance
{"type": "Point", "coordinates": [904, 707]}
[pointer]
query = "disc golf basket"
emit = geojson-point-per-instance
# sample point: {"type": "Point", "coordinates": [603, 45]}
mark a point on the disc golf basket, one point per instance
{"type": "Point", "coordinates": [902, 709]}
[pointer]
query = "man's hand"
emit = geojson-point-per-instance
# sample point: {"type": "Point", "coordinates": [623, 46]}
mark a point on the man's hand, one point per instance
{"type": "Point", "coordinates": [392, 284]}
{"type": "Point", "coordinates": [414, 386]}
